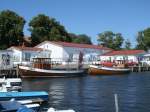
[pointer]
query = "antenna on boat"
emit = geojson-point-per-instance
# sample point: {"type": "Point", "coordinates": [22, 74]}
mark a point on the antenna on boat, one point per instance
{"type": "Point", "coordinates": [116, 102]}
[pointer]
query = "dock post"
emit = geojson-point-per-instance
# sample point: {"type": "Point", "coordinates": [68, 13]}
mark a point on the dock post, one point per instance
{"type": "Point", "coordinates": [17, 71]}
{"type": "Point", "coordinates": [116, 103]}
{"type": "Point", "coordinates": [132, 69]}
{"type": "Point", "coordinates": [139, 69]}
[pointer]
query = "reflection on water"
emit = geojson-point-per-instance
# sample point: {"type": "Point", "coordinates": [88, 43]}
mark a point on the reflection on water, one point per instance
{"type": "Point", "coordinates": [96, 93]}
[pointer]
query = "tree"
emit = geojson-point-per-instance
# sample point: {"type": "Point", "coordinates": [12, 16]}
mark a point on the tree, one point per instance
{"type": "Point", "coordinates": [111, 40]}
{"type": "Point", "coordinates": [43, 28]}
{"type": "Point", "coordinates": [106, 38]}
{"type": "Point", "coordinates": [143, 39]}
{"type": "Point", "coordinates": [127, 44]}
{"type": "Point", "coordinates": [11, 29]}
{"type": "Point", "coordinates": [82, 39]}
{"type": "Point", "coordinates": [140, 41]}
{"type": "Point", "coordinates": [118, 41]}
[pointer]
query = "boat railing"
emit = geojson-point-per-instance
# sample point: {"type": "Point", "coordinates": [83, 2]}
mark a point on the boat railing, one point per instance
{"type": "Point", "coordinates": [66, 64]}
{"type": "Point", "coordinates": [55, 64]}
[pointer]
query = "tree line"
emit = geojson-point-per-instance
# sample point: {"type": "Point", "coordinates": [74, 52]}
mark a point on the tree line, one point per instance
{"type": "Point", "coordinates": [43, 27]}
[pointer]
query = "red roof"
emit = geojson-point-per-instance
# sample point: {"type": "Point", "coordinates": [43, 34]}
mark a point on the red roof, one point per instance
{"type": "Point", "coordinates": [27, 48]}
{"type": "Point", "coordinates": [68, 44]}
{"type": "Point", "coordinates": [124, 52]}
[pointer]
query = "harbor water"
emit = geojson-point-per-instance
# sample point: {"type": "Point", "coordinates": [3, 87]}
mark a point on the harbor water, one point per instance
{"type": "Point", "coordinates": [96, 93]}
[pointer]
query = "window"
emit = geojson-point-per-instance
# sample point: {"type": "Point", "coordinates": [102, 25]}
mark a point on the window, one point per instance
{"type": "Point", "coordinates": [5, 59]}
{"type": "Point", "coordinates": [27, 57]}
{"type": "Point", "coordinates": [70, 58]}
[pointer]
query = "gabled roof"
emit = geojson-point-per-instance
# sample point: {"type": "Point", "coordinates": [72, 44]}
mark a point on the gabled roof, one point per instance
{"type": "Point", "coordinates": [124, 52]}
{"type": "Point", "coordinates": [21, 48]}
{"type": "Point", "coordinates": [68, 44]}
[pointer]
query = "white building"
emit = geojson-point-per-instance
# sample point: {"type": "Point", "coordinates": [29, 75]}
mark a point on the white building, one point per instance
{"type": "Point", "coordinates": [24, 55]}
{"type": "Point", "coordinates": [146, 59]}
{"type": "Point", "coordinates": [58, 51]}
{"type": "Point", "coordinates": [62, 51]}
{"type": "Point", "coordinates": [129, 55]}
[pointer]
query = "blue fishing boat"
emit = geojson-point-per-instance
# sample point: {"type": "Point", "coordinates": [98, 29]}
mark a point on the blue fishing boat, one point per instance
{"type": "Point", "coordinates": [5, 96]}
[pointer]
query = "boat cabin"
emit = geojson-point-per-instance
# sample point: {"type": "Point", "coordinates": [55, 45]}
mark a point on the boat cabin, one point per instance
{"type": "Point", "coordinates": [42, 63]}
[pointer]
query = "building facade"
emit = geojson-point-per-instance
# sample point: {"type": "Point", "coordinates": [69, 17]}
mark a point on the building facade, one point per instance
{"type": "Point", "coordinates": [128, 55]}
{"type": "Point", "coordinates": [24, 55]}
{"type": "Point", "coordinates": [64, 51]}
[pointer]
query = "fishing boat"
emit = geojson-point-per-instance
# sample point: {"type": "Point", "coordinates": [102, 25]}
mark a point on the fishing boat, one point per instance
{"type": "Point", "coordinates": [103, 70]}
{"type": "Point", "coordinates": [4, 87]}
{"type": "Point", "coordinates": [42, 67]}
{"type": "Point", "coordinates": [5, 96]}
{"type": "Point", "coordinates": [10, 84]}
{"type": "Point", "coordinates": [11, 81]}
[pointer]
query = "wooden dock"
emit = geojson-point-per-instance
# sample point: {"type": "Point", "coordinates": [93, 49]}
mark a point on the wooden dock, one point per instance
{"type": "Point", "coordinates": [13, 72]}
{"type": "Point", "coordinates": [140, 68]}
{"type": "Point", "coordinates": [9, 73]}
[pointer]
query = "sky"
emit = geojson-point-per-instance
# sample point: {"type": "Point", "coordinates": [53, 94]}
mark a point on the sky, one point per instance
{"type": "Point", "coordinates": [89, 17]}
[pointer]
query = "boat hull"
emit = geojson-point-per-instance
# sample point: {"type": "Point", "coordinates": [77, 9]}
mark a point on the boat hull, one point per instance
{"type": "Point", "coordinates": [26, 72]}
{"type": "Point", "coordinates": [95, 70]}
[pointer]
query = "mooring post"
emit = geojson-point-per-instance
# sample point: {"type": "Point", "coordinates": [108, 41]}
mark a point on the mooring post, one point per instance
{"type": "Point", "coordinates": [132, 69]}
{"type": "Point", "coordinates": [139, 68]}
{"type": "Point", "coordinates": [17, 70]}
{"type": "Point", "coordinates": [116, 103]}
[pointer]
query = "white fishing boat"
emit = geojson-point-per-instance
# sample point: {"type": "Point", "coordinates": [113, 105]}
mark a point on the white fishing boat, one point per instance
{"type": "Point", "coordinates": [7, 88]}
{"type": "Point", "coordinates": [10, 84]}
{"type": "Point", "coordinates": [11, 81]}
{"type": "Point", "coordinates": [14, 81]}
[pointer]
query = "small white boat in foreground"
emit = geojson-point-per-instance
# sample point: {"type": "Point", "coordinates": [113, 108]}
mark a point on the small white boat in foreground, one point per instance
{"type": "Point", "coordinates": [11, 81]}
{"type": "Point", "coordinates": [10, 84]}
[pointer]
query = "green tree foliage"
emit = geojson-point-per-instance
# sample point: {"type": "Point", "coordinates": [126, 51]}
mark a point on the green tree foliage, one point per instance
{"type": "Point", "coordinates": [143, 39]}
{"type": "Point", "coordinates": [127, 44]}
{"type": "Point", "coordinates": [139, 39]}
{"type": "Point", "coordinates": [111, 40]}
{"type": "Point", "coordinates": [82, 38]}
{"type": "Point", "coordinates": [43, 28]}
{"type": "Point", "coordinates": [11, 29]}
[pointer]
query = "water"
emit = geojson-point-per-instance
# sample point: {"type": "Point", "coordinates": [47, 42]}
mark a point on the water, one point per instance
{"type": "Point", "coordinates": [96, 93]}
